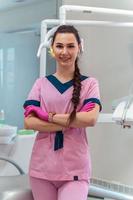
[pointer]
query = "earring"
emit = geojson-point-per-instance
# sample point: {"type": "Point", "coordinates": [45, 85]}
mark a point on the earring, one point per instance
{"type": "Point", "coordinates": [82, 45]}
{"type": "Point", "coordinates": [51, 52]}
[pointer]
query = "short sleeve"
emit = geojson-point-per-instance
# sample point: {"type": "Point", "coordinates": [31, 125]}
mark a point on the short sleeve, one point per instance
{"type": "Point", "coordinates": [93, 93]}
{"type": "Point", "coordinates": [34, 95]}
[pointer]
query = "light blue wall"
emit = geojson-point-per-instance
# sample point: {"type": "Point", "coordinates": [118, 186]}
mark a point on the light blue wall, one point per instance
{"type": "Point", "coordinates": [19, 67]}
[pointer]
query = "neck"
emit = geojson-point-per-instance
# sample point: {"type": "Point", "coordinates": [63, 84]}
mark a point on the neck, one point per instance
{"type": "Point", "coordinates": [64, 73]}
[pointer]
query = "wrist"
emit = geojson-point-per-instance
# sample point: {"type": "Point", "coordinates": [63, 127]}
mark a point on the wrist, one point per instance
{"type": "Point", "coordinates": [50, 117]}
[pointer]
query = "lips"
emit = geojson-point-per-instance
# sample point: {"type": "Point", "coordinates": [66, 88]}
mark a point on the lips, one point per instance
{"type": "Point", "coordinates": [65, 59]}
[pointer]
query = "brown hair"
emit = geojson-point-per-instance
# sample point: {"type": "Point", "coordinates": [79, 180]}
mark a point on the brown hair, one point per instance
{"type": "Point", "coordinates": [76, 76]}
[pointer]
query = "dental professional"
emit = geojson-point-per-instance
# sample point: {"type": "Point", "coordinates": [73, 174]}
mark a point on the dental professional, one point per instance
{"type": "Point", "coordinates": [60, 106]}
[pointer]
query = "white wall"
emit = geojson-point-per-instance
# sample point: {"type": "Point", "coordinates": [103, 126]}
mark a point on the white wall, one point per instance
{"type": "Point", "coordinates": [108, 56]}
{"type": "Point", "coordinates": [28, 15]}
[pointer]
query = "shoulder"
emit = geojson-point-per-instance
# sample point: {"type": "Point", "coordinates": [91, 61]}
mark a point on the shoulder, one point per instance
{"type": "Point", "coordinates": [40, 80]}
{"type": "Point", "coordinates": [89, 80]}
{"type": "Point", "coordinates": [39, 83]}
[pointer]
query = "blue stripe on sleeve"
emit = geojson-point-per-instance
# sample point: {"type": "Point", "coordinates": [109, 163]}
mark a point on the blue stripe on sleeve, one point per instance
{"type": "Point", "coordinates": [31, 102]}
{"type": "Point", "coordinates": [94, 100]}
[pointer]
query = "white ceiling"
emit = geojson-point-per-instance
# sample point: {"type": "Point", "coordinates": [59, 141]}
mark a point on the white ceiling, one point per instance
{"type": "Point", "coordinates": [8, 4]}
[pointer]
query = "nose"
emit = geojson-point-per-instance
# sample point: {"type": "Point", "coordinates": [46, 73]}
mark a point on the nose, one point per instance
{"type": "Point", "coordinates": [64, 50]}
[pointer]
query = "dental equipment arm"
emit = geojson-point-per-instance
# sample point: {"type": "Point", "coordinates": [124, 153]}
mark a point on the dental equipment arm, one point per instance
{"type": "Point", "coordinates": [123, 113]}
{"type": "Point", "coordinates": [47, 41]}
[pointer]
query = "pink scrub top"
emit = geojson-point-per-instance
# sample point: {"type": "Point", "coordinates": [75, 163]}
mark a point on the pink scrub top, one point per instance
{"type": "Point", "coordinates": [72, 162]}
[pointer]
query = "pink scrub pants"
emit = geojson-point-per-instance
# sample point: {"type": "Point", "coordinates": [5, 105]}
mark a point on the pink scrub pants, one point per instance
{"type": "Point", "coordinates": [59, 190]}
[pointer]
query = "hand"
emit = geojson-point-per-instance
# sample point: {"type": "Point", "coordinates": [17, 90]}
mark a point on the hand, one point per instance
{"type": "Point", "coordinates": [87, 107]}
{"type": "Point", "coordinates": [37, 111]}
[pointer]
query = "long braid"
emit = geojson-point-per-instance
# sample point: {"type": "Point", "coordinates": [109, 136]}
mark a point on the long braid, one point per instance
{"type": "Point", "coordinates": [76, 91]}
{"type": "Point", "coordinates": [76, 76]}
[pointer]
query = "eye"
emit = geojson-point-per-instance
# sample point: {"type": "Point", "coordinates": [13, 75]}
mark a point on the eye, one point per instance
{"type": "Point", "coordinates": [71, 46]}
{"type": "Point", "coordinates": [59, 46]}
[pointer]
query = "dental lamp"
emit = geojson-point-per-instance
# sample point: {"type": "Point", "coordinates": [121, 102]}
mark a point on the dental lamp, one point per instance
{"type": "Point", "coordinates": [123, 113]}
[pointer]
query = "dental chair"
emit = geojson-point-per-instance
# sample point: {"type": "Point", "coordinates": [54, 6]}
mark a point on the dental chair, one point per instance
{"type": "Point", "coordinates": [15, 187]}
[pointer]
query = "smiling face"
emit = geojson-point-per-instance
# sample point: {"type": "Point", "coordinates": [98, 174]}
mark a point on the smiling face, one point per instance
{"type": "Point", "coordinates": [66, 49]}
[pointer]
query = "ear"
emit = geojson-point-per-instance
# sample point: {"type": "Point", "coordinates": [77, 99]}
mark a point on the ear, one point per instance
{"type": "Point", "coordinates": [51, 52]}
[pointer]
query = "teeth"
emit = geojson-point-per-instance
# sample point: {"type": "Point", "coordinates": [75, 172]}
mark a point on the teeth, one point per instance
{"type": "Point", "coordinates": [65, 59]}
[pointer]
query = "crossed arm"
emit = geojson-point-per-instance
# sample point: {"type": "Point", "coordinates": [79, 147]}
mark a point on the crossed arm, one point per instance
{"type": "Point", "coordinates": [60, 121]}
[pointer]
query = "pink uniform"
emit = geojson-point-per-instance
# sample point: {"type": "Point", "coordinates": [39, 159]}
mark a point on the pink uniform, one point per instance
{"type": "Point", "coordinates": [72, 162]}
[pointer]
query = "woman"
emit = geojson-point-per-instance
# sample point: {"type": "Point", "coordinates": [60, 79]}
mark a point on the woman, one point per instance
{"type": "Point", "coordinates": [59, 107]}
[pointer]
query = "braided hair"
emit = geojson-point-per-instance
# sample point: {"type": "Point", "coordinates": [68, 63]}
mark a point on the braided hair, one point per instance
{"type": "Point", "coordinates": [76, 76]}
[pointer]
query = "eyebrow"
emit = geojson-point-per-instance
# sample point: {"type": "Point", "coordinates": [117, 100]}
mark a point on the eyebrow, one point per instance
{"type": "Point", "coordinates": [67, 44]}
